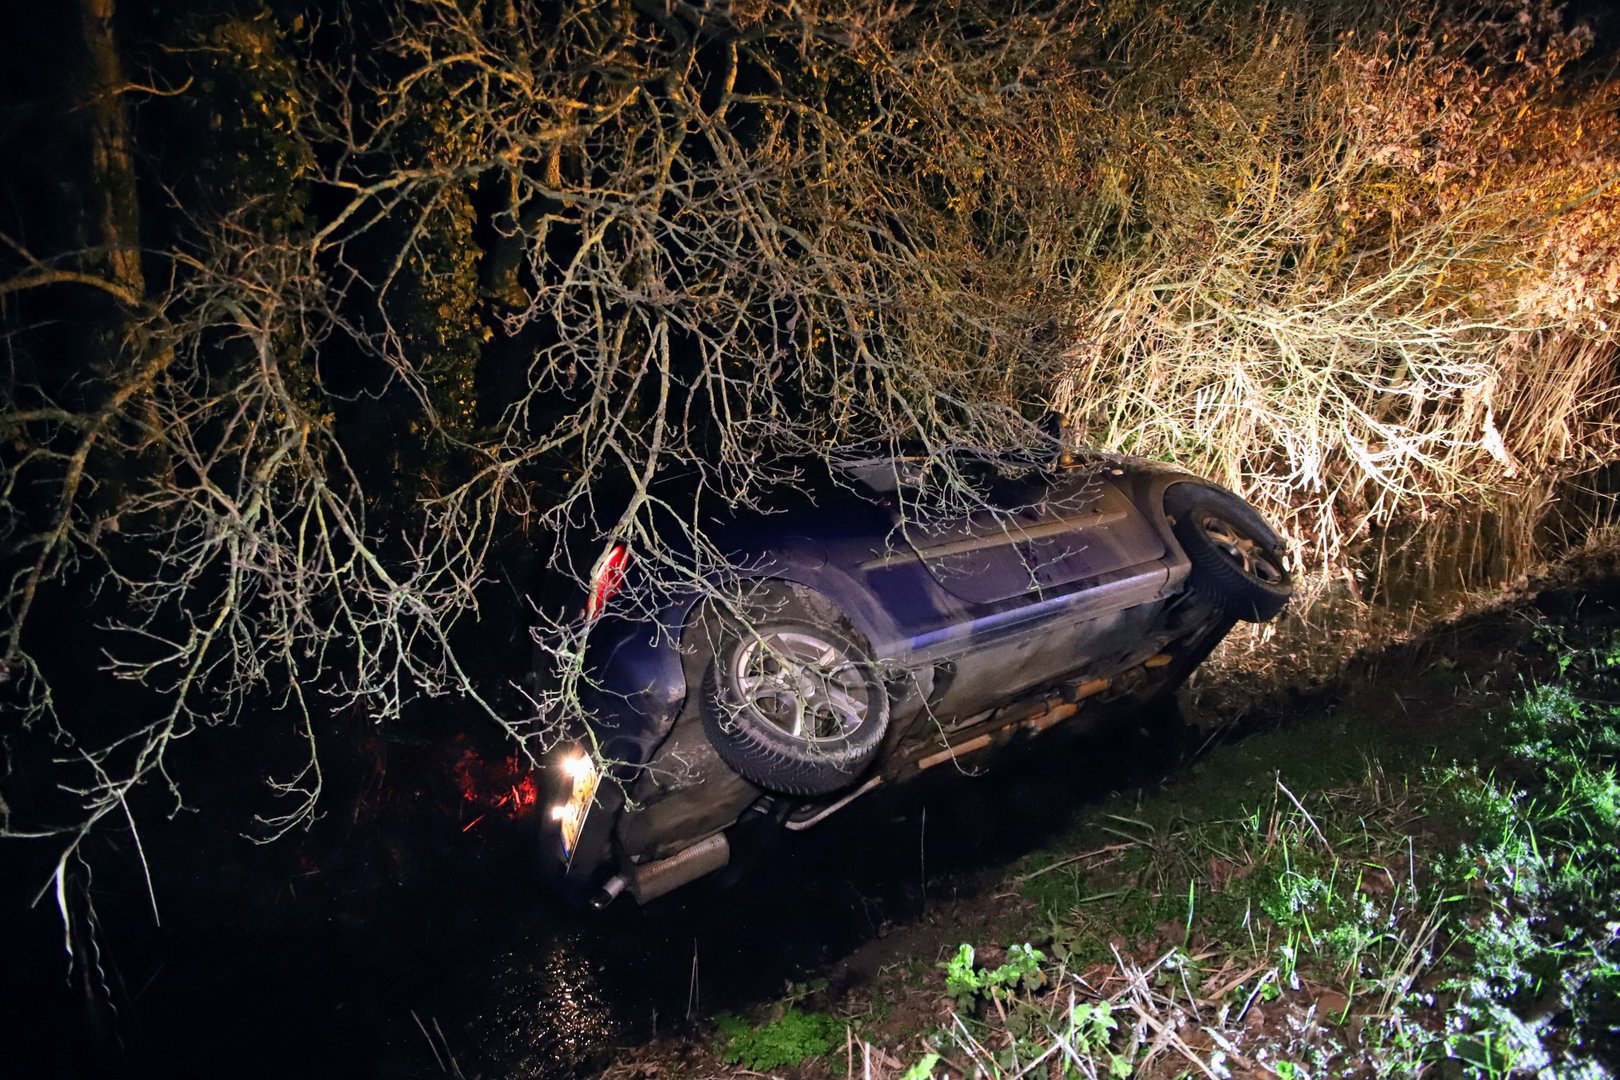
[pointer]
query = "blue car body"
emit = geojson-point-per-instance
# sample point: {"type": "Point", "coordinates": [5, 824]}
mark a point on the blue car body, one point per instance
{"type": "Point", "coordinates": [1068, 588]}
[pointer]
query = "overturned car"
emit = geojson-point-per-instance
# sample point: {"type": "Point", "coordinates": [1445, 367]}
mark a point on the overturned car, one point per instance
{"type": "Point", "coordinates": [856, 644]}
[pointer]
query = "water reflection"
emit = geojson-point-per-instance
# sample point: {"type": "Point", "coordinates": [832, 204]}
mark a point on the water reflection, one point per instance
{"type": "Point", "coordinates": [549, 1008]}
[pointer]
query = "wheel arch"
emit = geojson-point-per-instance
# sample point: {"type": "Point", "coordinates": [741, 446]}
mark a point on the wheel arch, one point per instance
{"type": "Point", "coordinates": [1148, 484]}
{"type": "Point", "coordinates": [844, 596]}
{"type": "Point", "coordinates": [1173, 481]}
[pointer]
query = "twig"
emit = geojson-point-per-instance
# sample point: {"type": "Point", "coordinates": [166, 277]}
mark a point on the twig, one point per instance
{"type": "Point", "coordinates": [1061, 863]}
{"type": "Point", "coordinates": [1308, 818]}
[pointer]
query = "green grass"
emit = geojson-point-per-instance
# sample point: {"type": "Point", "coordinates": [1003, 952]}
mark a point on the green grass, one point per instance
{"type": "Point", "coordinates": [1418, 877]}
{"type": "Point", "coordinates": [784, 1042]}
{"type": "Point", "coordinates": [1359, 897]}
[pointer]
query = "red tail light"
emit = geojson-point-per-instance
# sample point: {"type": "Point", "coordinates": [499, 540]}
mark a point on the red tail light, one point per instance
{"type": "Point", "coordinates": [607, 579]}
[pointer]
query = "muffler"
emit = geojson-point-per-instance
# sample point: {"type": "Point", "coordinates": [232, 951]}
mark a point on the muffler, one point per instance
{"type": "Point", "coordinates": [653, 880]}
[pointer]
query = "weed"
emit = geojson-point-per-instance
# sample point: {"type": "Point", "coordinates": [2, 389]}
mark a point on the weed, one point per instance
{"type": "Point", "coordinates": [924, 1069]}
{"type": "Point", "coordinates": [784, 1042]}
{"type": "Point", "coordinates": [1376, 913]}
{"type": "Point", "coordinates": [1091, 1026]}
{"type": "Point", "coordinates": [966, 983]}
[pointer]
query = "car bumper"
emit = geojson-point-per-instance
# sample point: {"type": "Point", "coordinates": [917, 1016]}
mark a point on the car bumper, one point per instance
{"type": "Point", "coordinates": [637, 691]}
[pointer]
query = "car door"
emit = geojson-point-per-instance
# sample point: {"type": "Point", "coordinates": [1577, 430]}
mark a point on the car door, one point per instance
{"type": "Point", "coordinates": [978, 558]}
{"type": "Point", "coordinates": [1048, 576]}
{"type": "Point", "coordinates": [1085, 530]}
{"type": "Point", "coordinates": [1037, 534]}
{"type": "Point", "coordinates": [974, 557]}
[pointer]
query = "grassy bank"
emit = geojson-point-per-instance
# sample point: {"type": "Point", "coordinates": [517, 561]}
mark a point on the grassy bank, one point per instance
{"type": "Point", "coordinates": [1414, 872]}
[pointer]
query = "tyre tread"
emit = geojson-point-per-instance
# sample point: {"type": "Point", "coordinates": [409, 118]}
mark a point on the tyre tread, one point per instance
{"type": "Point", "coordinates": [1213, 577]}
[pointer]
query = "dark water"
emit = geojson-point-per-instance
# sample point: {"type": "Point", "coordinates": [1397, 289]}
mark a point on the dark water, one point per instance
{"type": "Point", "coordinates": [411, 949]}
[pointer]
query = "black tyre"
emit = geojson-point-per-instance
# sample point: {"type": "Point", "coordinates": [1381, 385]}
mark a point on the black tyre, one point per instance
{"type": "Point", "coordinates": [792, 698]}
{"type": "Point", "coordinates": [1237, 560]}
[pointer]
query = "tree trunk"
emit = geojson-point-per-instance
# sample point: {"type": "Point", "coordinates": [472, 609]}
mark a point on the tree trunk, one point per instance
{"type": "Point", "coordinates": [114, 210]}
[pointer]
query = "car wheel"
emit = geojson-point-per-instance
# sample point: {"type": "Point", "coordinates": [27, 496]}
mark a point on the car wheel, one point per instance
{"type": "Point", "coordinates": [792, 699]}
{"type": "Point", "coordinates": [1236, 560]}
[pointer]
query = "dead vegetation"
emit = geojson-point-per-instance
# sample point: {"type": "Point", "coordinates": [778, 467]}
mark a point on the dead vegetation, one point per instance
{"type": "Point", "coordinates": [1371, 276]}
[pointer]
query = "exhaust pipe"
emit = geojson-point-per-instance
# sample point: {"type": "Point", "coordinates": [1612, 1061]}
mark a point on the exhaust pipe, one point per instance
{"type": "Point", "coordinates": [609, 892]}
{"type": "Point", "coordinates": [653, 880]}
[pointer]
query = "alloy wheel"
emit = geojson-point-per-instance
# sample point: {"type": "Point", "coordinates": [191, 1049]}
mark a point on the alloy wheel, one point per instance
{"type": "Point", "coordinates": [802, 684]}
{"type": "Point", "coordinates": [1243, 552]}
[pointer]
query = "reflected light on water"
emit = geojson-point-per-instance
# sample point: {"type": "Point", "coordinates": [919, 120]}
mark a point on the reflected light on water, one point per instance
{"type": "Point", "coordinates": [550, 1009]}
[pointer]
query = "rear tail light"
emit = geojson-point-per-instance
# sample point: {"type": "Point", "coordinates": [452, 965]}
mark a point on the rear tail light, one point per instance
{"type": "Point", "coordinates": [606, 579]}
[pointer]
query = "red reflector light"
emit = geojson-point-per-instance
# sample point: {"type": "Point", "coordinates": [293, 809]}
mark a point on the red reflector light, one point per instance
{"type": "Point", "coordinates": [606, 579]}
